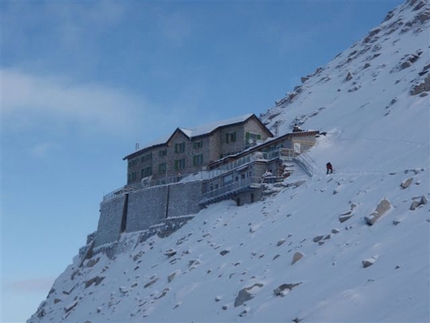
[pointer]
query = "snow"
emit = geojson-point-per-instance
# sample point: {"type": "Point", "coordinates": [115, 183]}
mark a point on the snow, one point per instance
{"type": "Point", "coordinates": [377, 138]}
{"type": "Point", "coordinates": [201, 130]}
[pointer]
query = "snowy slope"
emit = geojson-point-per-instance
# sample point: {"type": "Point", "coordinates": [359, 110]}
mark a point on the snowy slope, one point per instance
{"type": "Point", "coordinates": [372, 102]}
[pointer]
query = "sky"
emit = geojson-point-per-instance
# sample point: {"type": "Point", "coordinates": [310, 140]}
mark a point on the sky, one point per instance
{"type": "Point", "coordinates": [82, 82]}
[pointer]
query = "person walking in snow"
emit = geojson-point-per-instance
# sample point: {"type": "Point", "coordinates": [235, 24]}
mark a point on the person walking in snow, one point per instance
{"type": "Point", "coordinates": [329, 168]}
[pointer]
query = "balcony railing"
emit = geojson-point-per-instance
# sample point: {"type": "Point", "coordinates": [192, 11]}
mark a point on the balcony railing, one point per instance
{"type": "Point", "coordinates": [232, 188]}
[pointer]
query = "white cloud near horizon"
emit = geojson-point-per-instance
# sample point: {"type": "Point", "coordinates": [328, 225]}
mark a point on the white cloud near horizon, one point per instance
{"type": "Point", "coordinates": [28, 100]}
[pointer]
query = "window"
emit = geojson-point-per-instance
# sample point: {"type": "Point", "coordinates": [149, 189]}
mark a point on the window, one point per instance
{"type": "Point", "coordinates": [145, 172]}
{"type": "Point", "coordinates": [252, 136]}
{"type": "Point", "coordinates": [197, 160]}
{"type": "Point", "coordinates": [162, 168]}
{"type": "Point", "coordinates": [146, 158]}
{"type": "Point", "coordinates": [227, 179]}
{"type": "Point", "coordinates": [180, 163]}
{"type": "Point", "coordinates": [180, 148]}
{"type": "Point", "coordinates": [132, 162]}
{"type": "Point", "coordinates": [162, 153]}
{"type": "Point", "coordinates": [133, 176]}
{"type": "Point", "coordinates": [198, 144]}
{"type": "Point", "coordinates": [230, 137]}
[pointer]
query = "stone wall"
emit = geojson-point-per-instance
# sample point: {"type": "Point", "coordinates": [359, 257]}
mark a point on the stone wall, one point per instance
{"type": "Point", "coordinates": [184, 198]}
{"type": "Point", "coordinates": [141, 209]}
{"type": "Point", "coordinates": [146, 207]}
{"type": "Point", "coordinates": [109, 225]}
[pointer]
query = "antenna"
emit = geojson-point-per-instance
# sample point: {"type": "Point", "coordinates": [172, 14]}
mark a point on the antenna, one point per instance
{"type": "Point", "coordinates": [136, 147]}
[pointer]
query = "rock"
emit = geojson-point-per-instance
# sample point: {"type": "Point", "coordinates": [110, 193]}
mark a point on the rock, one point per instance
{"type": "Point", "coordinates": [405, 64]}
{"type": "Point", "coordinates": [297, 256]}
{"type": "Point", "coordinates": [243, 313]}
{"type": "Point", "coordinates": [218, 298]}
{"type": "Point", "coordinates": [171, 276]}
{"type": "Point", "coordinates": [368, 262]}
{"type": "Point", "coordinates": [335, 231]}
{"type": "Point", "coordinates": [170, 253]}
{"type": "Point", "coordinates": [383, 206]}
{"type": "Point", "coordinates": [123, 289]}
{"type": "Point", "coordinates": [345, 217]}
{"type": "Point", "coordinates": [414, 205]}
{"type": "Point", "coordinates": [224, 307]}
{"type": "Point", "coordinates": [317, 238]}
{"type": "Point", "coordinates": [163, 293]}
{"type": "Point", "coordinates": [349, 77]}
{"type": "Point", "coordinates": [70, 307]}
{"type": "Point", "coordinates": [283, 289]}
{"type": "Point", "coordinates": [421, 86]}
{"type": "Point", "coordinates": [304, 79]}
{"type": "Point", "coordinates": [280, 242]}
{"type": "Point", "coordinates": [96, 281]}
{"type": "Point", "coordinates": [406, 183]}
{"type": "Point", "coordinates": [151, 282]}
{"type": "Point", "coordinates": [224, 252]}
{"type": "Point", "coordinates": [242, 297]}
{"type": "Point", "coordinates": [245, 294]}
{"type": "Point", "coordinates": [92, 262]}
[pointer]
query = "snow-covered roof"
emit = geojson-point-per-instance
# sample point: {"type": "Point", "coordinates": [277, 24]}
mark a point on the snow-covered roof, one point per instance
{"type": "Point", "coordinates": [199, 131]}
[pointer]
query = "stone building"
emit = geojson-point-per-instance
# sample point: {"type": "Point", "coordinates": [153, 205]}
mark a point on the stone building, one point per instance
{"type": "Point", "coordinates": [237, 158]}
{"type": "Point", "coordinates": [190, 151]}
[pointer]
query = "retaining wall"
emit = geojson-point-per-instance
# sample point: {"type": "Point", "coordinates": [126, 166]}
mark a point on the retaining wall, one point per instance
{"type": "Point", "coordinates": [184, 199]}
{"type": "Point", "coordinates": [109, 225]}
{"type": "Point", "coordinates": [141, 209]}
{"type": "Point", "coordinates": [146, 207]}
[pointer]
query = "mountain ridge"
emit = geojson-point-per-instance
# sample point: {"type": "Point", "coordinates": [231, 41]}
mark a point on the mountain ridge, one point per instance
{"type": "Point", "coordinates": [304, 253]}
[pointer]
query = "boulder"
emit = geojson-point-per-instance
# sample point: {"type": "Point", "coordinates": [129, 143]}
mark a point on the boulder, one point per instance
{"type": "Point", "coordinates": [406, 183]}
{"type": "Point", "coordinates": [171, 276]}
{"type": "Point", "coordinates": [283, 289]}
{"type": "Point", "coordinates": [297, 256]}
{"type": "Point", "coordinates": [280, 242]}
{"type": "Point", "coordinates": [317, 238]}
{"type": "Point", "coordinates": [368, 262]}
{"type": "Point", "coordinates": [415, 203]}
{"type": "Point", "coordinates": [343, 218]}
{"type": "Point", "coordinates": [245, 294]}
{"type": "Point", "coordinates": [383, 206]}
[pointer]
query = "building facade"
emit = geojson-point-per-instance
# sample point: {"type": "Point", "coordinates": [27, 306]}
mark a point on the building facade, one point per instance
{"type": "Point", "coordinates": [190, 151]}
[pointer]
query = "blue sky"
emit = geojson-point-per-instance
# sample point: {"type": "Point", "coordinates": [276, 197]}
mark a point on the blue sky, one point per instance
{"type": "Point", "coordinates": [83, 81]}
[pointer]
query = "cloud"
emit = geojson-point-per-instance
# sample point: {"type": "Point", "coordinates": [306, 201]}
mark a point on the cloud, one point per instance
{"type": "Point", "coordinates": [34, 101]}
{"type": "Point", "coordinates": [31, 285]}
